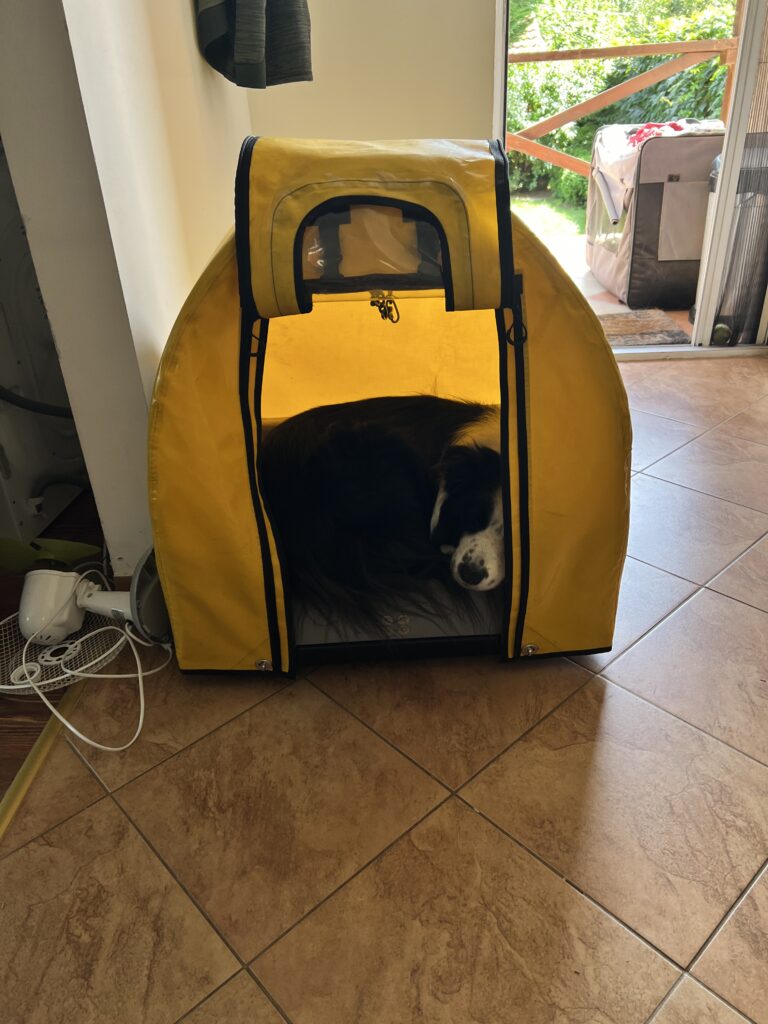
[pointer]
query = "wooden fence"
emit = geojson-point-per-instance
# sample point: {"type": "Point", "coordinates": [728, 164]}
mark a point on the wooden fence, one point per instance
{"type": "Point", "coordinates": [683, 55]}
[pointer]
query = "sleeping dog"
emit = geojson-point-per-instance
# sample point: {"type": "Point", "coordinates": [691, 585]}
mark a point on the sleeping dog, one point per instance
{"type": "Point", "coordinates": [373, 499]}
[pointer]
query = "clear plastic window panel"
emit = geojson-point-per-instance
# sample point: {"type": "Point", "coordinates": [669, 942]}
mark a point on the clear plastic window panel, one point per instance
{"type": "Point", "coordinates": [366, 246]}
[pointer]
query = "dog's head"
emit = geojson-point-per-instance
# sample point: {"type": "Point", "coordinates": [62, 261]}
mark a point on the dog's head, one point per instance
{"type": "Point", "coordinates": [467, 520]}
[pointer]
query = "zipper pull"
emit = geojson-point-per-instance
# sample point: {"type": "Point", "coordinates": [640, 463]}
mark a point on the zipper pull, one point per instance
{"type": "Point", "coordinates": [386, 306]}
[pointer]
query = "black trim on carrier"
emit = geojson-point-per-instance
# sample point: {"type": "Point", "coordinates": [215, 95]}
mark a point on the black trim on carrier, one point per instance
{"type": "Point", "coordinates": [242, 226]}
{"type": "Point", "coordinates": [308, 655]}
{"type": "Point", "coordinates": [512, 298]}
{"type": "Point", "coordinates": [506, 499]}
{"type": "Point", "coordinates": [402, 647]}
{"type": "Point", "coordinates": [261, 361]}
{"type": "Point", "coordinates": [246, 339]}
{"type": "Point", "coordinates": [340, 204]}
{"type": "Point", "coordinates": [522, 468]}
{"type": "Point", "coordinates": [372, 282]}
{"type": "Point", "coordinates": [248, 317]}
{"type": "Point", "coordinates": [511, 285]}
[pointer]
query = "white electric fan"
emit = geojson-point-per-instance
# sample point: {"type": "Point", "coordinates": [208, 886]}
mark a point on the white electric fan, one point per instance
{"type": "Point", "coordinates": [70, 625]}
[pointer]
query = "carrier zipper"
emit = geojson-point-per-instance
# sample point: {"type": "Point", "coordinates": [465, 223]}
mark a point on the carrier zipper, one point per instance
{"type": "Point", "coordinates": [386, 306]}
{"type": "Point", "coordinates": [518, 346]}
{"type": "Point", "coordinates": [518, 332]}
{"type": "Point", "coordinates": [249, 317]}
{"type": "Point", "coordinates": [515, 338]}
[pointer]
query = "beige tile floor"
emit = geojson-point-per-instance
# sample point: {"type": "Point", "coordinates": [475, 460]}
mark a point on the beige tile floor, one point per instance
{"type": "Point", "coordinates": [450, 842]}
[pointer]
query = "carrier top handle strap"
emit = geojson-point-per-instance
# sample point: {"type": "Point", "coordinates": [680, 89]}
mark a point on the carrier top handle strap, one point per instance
{"type": "Point", "coordinates": [243, 227]}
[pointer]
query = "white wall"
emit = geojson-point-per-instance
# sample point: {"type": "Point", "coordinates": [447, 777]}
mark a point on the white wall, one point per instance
{"type": "Point", "coordinates": [166, 132]}
{"type": "Point", "coordinates": [57, 186]}
{"type": "Point", "coordinates": [393, 70]}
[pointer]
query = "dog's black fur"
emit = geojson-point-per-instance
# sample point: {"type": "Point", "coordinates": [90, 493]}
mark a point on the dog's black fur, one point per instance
{"type": "Point", "coordinates": [351, 490]}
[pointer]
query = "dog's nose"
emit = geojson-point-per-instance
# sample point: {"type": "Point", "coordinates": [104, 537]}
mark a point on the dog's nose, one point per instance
{"type": "Point", "coordinates": [471, 573]}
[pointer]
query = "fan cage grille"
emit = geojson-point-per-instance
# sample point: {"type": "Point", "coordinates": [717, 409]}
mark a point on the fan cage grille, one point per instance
{"type": "Point", "coordinates": [81, 651]}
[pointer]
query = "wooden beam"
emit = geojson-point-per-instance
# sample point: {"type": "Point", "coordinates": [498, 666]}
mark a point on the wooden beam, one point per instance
{"type": "Point", "coordinates": [617, 92]}
{"type": "Point", "coordinates": [729, 58]}
{"type": "Point", "coordinates": [633, 50]}
{"type": "Point", "coordinates": [551, 156]}
{"type": "Point", "coordinates": [738, 20]}
{"type": "Point", "coordinates": [725, 108]}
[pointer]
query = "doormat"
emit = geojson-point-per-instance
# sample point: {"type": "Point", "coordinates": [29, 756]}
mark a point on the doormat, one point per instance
{"type": "Point", "coordinates": [642, 327]}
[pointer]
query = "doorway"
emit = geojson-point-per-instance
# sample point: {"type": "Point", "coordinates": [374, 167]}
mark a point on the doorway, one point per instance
{"type": "Point", "coordinates": [670, 72]}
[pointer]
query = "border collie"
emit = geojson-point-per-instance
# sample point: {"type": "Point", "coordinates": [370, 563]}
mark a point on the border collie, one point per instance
{"type": "Point", "coordinates": [372, 500]}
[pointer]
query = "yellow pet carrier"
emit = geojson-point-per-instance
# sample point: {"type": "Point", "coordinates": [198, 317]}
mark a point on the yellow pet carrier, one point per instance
{"type": "Point", "coordinates": [362, 269]}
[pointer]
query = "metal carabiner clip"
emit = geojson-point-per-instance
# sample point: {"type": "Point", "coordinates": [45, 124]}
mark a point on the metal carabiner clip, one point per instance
{"type": "Point", "coordinates": [386, 306]}
{"type": "Point", "coordinates": [393, 313]}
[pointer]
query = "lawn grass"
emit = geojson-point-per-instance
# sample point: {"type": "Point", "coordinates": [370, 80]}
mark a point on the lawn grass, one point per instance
{"type": "Point", "coordinates": [547, 216]}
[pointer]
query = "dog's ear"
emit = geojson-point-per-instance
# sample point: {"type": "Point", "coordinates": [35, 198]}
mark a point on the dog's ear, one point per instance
{"type": "Point", "coordinates": [466, 468]}
{"type": "Point", "coordinates": [469, 477]}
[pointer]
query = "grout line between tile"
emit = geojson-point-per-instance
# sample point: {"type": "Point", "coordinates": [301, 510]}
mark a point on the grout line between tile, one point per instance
{"type": "Point", "coordinates": [88, 765]}
{"type": "Point", "coordinates": [69, 817]}
{"type": "Point", "coordinates": [694, 490]}
{"type": "Point", "coordinates": [655, 626]}
{"type": "Point", "coordinates": [741, 437]}
{"type": "Point", "coordinates": [702, 430]}
{"type": "Point", "coordinates": [709, 494]}
{"type": "Point", "coordinates": [268, 995]}
{"type": "Point", "coordinates": [676, 575]}
{"type": "Point", "coordinates": [346, 881]}
{"type": "Point", "coordinates": [259, 984]}
{"type": "Point", "coordinates": [379, 736]}
{"type": "Point", "coordinates": [728, 915]}
{"type": "Point", "coordinates": [738, 600]}
{"type": "Point", "coordinates": [720, 572]}
{"type": "Point", "coordinates": [642, 469]}
{"type": "Point", "coordinates": [454, 790]}
{"type": "Point", "coordinates": [664, 617]}
{"type": "Point", "coordinates": [243, 964]}
{"type": "Point", "coordinates": [518, 842]}
{"type": "Point", "coordinates": [591, 675]}
{"type": "Point", "coordinates": [178, 882]}
{"type": "Point", "coordinates": [187, 746]}
{"type": "Point", "coordinates": [672, 611]}
{"type": "Point", "coordinates": [740, 1013]}
{"type": "Point", "coordinates": [746, 408]}
{"type": "Point", "coordinates": [570, 883]}
{"type": "Point", "coordinates": [21, 846]}
{"type": "Point", "coordinates": [730, 565]}
{"type": "Point", "coordinates": [696, 728]}
{"type": "Point", "coordinates": [699, 587]}
{"type": "Point", "coordinates": [199, 1003]}
{"type": "Point", "coordinates": [628, 927]}
{"type": "Point", "coordinates": [676, 984]}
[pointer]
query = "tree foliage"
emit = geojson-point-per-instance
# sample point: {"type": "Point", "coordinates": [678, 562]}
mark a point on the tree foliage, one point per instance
{"type": "Point", "coordinates": [538, 90]}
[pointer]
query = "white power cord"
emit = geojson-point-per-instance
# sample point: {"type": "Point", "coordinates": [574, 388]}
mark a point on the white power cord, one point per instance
{"type": "Point", "coordinates": [126, 635]}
